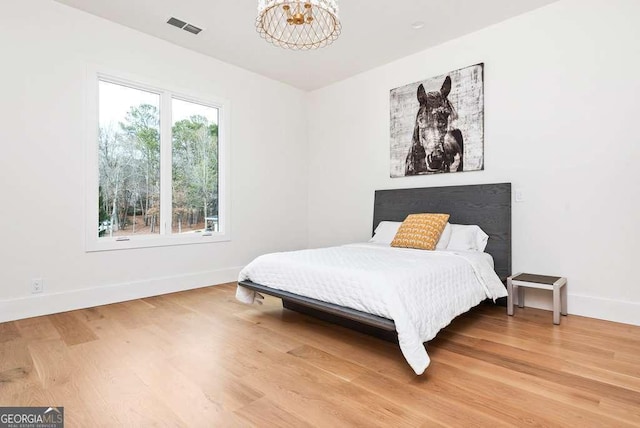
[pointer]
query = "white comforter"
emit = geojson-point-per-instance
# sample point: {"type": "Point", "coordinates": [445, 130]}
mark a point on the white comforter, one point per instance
{"type": "Point", "coordinates": [421, 291]}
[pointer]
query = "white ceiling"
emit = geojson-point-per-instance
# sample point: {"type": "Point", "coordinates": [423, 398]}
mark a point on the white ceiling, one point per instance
{"type": "Point", "coordinates": [374, 32]}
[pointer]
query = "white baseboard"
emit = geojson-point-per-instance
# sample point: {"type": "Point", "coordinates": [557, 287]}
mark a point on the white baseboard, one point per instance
{"type": "Point", "coordinates": [46, 304]}
{"type": "Point", "coordinates": [606, 309]}
{"type": "Point", "coordinates": [589, 306]}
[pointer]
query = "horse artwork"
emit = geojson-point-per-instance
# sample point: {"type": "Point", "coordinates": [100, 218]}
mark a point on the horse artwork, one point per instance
{"type": "Point", "coordinates": [437, 126]}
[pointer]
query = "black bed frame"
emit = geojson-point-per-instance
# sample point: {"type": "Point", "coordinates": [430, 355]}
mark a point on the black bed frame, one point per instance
{"type": "Point", "coordinates": [487, 205]}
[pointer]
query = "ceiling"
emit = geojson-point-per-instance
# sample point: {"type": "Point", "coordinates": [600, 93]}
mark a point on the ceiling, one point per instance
{"type": "Point", "coordinates": [374, 32]}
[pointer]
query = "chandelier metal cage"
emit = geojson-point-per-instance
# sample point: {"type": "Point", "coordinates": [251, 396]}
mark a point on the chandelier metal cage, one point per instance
{"type": "Point", "coordinates": [298, 25]}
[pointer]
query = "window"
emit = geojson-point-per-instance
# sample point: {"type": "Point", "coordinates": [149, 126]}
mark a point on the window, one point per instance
{"type": "Point", "coordinates": [194, 156]}
{"type": "Point", "coordinates": [157, 164]}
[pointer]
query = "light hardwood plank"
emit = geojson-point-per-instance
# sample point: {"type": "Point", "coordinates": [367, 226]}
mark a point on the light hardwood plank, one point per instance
{"type": "Point", "coordinates": [265, 413]}
{"type": "Point", "coordinates": [72, 330]}
{"type": "Point", "coordinates": [38, 328]}
{"type": "Point", "coordinates": [8, 332]}
{"type": "Point", "coordinates": [329, 363]}
{"type": "Point", "coordinates": [51, 362]}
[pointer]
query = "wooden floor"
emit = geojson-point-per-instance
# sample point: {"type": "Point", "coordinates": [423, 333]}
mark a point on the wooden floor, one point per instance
{"type": "Point", "coordinates": [200, 359]}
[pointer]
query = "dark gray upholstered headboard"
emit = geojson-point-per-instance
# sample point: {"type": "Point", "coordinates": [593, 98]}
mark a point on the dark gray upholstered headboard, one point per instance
{"type": "Point", "coordinates": [487, 205]}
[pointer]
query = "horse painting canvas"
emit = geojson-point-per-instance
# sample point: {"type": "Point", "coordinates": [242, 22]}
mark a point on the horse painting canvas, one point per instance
{"type": "Point", "coordinates": [437, 125]}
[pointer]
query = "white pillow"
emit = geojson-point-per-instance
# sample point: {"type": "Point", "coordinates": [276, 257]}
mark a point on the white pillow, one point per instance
{"type": "Point", "coordinates": [467, 237]}
{"type": "Point", "coordinates": [443, 242]}
{"type": "Point", "coordinates": [385, 232]}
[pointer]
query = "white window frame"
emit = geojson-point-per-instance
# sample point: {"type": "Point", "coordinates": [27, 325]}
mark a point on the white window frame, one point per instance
{"type": "Point", "coordinates": [167, 94]}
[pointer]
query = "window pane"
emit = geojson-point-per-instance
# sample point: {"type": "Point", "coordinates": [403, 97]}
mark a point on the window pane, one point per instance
{"type": "Point", "coordinates": [129, 161]}
{"type": "Point", "coordinates": [195, 167]}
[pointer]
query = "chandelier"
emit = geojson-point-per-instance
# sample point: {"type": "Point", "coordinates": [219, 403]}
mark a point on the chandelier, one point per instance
{"type": "Point", "coordinates": [298, 24]}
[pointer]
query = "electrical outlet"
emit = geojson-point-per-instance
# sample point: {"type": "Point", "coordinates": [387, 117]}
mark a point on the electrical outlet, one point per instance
{"type": "Point", "coordinates": [37, 285]}
{"type": "Point", "coordinates": [519, 197]}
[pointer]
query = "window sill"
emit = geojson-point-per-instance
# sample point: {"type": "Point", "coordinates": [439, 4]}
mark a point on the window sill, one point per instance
{"type": "Point", "coordinates": [134, 242]}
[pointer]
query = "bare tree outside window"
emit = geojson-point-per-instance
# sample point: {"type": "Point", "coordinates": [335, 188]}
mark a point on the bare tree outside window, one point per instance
{"type": "Point", "coordinates": [195, 167]}
{"type": "Point", "coordinates": [129, 161]}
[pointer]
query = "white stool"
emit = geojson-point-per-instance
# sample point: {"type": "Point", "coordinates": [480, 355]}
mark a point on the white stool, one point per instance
{"type": "Point", "coordinates": [555, 283]}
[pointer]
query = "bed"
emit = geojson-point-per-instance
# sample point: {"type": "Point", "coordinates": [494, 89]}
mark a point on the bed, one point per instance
{"type": "Point", "coordinates": [404, 294]}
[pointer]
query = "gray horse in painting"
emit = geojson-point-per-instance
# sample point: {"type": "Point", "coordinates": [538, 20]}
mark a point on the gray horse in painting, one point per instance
{"type": "Point", "coordinates": [435, 147]}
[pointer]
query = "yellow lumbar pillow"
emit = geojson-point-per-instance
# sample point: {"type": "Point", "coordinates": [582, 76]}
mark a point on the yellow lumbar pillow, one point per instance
{"type": "Point", "coordinates": [420, 231]}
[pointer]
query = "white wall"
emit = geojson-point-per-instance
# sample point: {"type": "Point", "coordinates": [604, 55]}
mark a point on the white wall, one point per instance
{"type": "Point", "coordinates": [562, 101]}
{"type": "Point", "coordinates": [45, 51]}
{"type": "Point", "coordinates": [562, 97]}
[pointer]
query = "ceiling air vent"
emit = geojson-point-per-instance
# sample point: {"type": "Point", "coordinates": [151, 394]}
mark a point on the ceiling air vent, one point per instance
{"type": "Point", "coordinates": [176, 22]}
{"type": "Point", "coordinates": [183, 25]}
{"type": "Point", "coordinates": [192, 29]}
